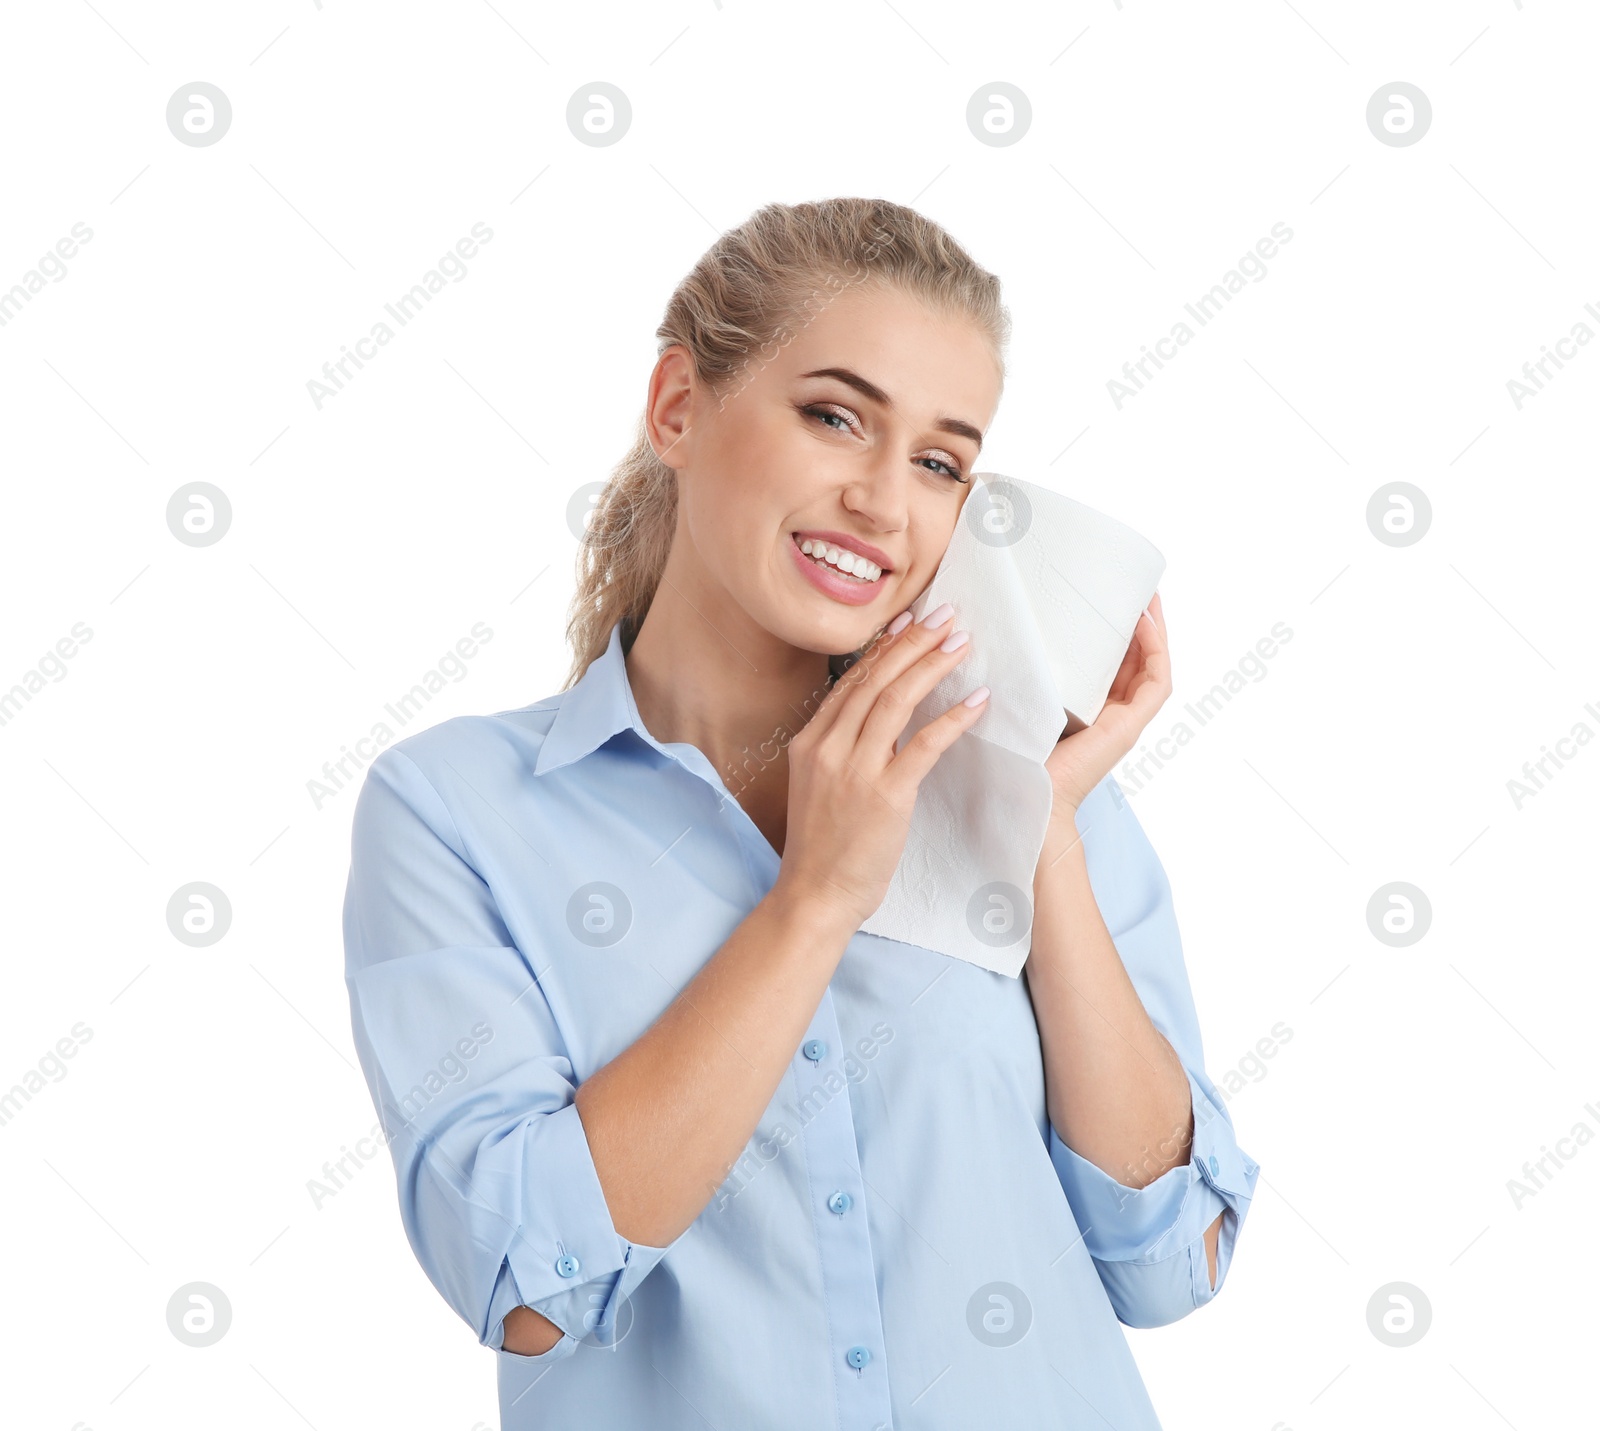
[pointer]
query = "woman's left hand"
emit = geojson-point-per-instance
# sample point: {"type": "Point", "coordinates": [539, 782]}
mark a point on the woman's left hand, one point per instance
{"type": "Point", "coordinates": [1143, 682]}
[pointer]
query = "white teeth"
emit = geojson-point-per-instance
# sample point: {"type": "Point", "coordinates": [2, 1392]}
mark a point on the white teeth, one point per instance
{"type": "Point", "coordinates": [846, 561]}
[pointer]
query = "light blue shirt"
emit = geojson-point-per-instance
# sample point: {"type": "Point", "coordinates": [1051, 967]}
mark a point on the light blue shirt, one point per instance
{"type": "Point", "coordinates": [905, 1243]}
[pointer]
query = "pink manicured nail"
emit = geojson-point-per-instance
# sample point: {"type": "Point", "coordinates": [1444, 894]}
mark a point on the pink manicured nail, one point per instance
{"type": "Point", "coordinates": [939, 615]}
{"type": "Point", "coordinates": [955, 640]}
{"type": "Point", "coordinates": [900, 623]}
{"type": "Point", "coordinates": [978, 696]}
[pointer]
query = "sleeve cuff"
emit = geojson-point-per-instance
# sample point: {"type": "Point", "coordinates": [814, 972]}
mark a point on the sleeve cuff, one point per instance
{"type": "Point", "coordinates": [576, 1269]}
{"type": "Point", "coordinates": [1148, 1224]}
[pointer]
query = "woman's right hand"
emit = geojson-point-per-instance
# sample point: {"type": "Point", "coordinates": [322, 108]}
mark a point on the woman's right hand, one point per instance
{"type": "Point", "coordinates": [850, 793]}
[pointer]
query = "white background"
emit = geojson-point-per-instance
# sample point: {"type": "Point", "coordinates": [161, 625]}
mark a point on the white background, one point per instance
{"type": "Point", "coordinates": [369, 536]}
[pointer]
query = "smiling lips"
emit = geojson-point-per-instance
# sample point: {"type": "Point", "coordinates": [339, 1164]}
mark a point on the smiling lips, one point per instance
{"type": "Point", "coordinates": [852, 563]}
{"type": "Point", "coordinates": [837, 570]}
{"type": "Point", "coordinates": [844, 542]}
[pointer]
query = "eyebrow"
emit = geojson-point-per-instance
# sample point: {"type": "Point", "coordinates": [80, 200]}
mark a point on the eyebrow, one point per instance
{"type": "Point", "coordinates": [872, 391]}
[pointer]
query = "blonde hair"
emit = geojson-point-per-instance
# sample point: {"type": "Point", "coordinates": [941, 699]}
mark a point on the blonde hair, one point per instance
{"type": "Point", "coordinates": [739, 304]}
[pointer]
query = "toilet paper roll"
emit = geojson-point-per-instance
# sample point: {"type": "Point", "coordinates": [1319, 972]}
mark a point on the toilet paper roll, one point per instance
{"type": "Point", "coordinates": [1051, 591]}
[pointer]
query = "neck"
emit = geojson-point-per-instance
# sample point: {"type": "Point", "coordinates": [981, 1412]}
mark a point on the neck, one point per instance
{"type": "Point", "coordinates": [724, 685]}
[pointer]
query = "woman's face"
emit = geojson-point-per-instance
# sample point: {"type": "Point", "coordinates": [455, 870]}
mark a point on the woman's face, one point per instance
{"type": "Point", "coordinates": [863, 429]}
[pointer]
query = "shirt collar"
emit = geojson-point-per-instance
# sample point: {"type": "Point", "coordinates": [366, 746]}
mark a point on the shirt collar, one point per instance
{"type": "Point", "coordinates": [593, 710]}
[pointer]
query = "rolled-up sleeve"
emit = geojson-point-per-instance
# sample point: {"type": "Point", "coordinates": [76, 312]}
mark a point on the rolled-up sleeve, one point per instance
{"type": "Point", "coordinates": [1148, 1243]}
{"type": "Point", "coordinates": [498, 1191]}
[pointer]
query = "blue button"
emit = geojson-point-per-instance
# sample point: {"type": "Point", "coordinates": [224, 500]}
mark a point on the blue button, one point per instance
{"type": "Point", "coordinates": [814, 1049]}
{"type": "Point", "coordinates": [839, 1203]}
{"type": "Point", "coordinates": [567, 1266]}
{"type": "Point", "coordinates": [858, 1357]}
{"type": "Point", "coordinates": [1211, 1162]}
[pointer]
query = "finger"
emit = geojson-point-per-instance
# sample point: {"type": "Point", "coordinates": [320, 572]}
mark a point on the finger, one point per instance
{"type": "Point", "coordinates": [1145, 657]}
{"type": "Point", "coordinates": [915, 643]}
{"type": "Point", "coordinates": [919, 754]}
{"type": "Point", "coordinates": [834, 698]}
{"type": "Point", "coordinates": [898, 701]}
{"type": "Point", "coordinates": [1118, 689]}
{"type": "Point", "coordinates": [1146, 684]}
{"type": "Point", "coordinates": [1158, 618]}
{"type": "Point", "coordinates": [1158, 653]}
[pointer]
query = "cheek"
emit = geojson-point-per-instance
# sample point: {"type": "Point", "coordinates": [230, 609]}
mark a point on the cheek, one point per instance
{"type": "Point", "coordinates": [933, 524]}
{"type": "Point", "coordinates": [767, 471]}
{"type": "Point", "coordinates": [739, 498]}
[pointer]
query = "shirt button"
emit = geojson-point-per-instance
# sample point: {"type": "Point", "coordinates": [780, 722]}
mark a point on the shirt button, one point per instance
{"type": "Point", "coordinates": [858, 1357]}
{"type": "Point", "coordinates": [814, 1049]}
{"type": "Point", "coordinates": [1211, 1162]}
{"type": "Point", "coordinates": [567, 1266]}
{"type": "Point", "coordinates": [839, 1203]}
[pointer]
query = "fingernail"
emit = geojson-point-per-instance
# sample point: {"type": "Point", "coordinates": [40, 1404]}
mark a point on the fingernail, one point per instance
{"type": "Point", "coordinates": [955, 641]}
{"type": "Point", "coordinates": [939, 615]}
{"type": "Point", "coordinates": [900, 623]}
{"type": "Point", "coordinates": [977, 697]}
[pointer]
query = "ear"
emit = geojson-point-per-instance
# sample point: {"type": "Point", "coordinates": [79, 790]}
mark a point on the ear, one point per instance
{"type": "Point", "coordinates": [669, 404]}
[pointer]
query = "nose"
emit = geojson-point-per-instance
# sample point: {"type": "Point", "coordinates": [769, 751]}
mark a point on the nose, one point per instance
{"type": "Point", "coordinates": [879, 492]}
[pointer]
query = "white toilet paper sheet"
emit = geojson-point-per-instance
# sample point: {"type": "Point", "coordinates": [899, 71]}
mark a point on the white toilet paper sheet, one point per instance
{"type": "Point", "coordinates": [1051, 591]}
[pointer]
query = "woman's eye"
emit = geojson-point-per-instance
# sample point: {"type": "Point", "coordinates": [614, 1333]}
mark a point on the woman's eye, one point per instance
{"type": "Point", "coordinates": [828, 416]}
{"type": "Point", "coordinates": [945, 466]}
{"type": "Point", "coordinates": [948, 468]}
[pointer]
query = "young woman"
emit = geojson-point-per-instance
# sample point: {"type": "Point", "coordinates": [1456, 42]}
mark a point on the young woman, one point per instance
{"type": "Point", "coordinates": [672, 1135]}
